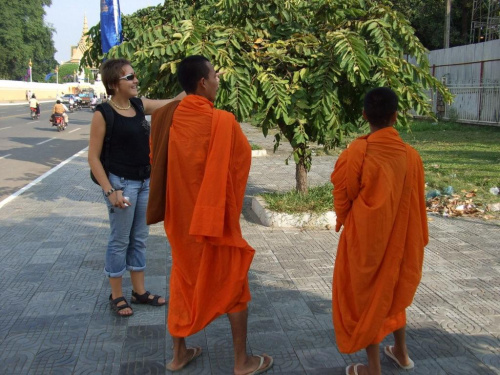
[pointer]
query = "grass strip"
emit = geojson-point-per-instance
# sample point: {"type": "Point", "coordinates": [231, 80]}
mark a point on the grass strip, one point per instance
{"type": "Point", "coordinates": [463, 157]}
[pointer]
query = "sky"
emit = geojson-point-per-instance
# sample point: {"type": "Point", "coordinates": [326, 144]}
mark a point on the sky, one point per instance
{"type": "Point", "coordinates": [66, 17]}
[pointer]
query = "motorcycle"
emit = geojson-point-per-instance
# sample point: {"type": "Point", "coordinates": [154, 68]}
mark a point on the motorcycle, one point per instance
{"type": "Point", "coordinates": [58, 120]}
{"type": "Point", "coordinates": [33, 113]}
{"type": "Point", "coordinates": [71, 107]}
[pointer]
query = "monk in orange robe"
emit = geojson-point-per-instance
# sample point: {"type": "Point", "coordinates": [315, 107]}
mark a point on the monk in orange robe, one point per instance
{"type": "Point", "coordinates": [379, 198]}
{"type": "Point", "coordinates": [208, 165]}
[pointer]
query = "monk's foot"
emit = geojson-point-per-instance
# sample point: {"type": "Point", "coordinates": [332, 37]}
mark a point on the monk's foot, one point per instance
{"type": "Point", "coordinates": [360, 369]}
{"type": "Point", "coordinates": [399, 357]}
{"type": "Point", "coordinates": [257, 364]}
{"type": "Point", "coordinates": [177, 364]}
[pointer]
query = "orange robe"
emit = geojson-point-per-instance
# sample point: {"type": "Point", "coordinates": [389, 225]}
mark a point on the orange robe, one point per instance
{"type": "Point", "coordinates": [208, 165]}
{"type": "Point", "coordinates": [379, 198]}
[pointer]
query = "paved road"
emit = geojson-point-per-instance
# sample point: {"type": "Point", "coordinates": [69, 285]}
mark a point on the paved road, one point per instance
{"type": "Point", "coordinates": [55, 318]}
{"type": "Point", "coordinates": [29, 148]}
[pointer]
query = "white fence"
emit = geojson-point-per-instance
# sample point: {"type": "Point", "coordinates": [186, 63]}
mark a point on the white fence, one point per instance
{"type": "Point", "coordinates": [472, 74]}
{"type": "Point", "coordinates": [472, 104]}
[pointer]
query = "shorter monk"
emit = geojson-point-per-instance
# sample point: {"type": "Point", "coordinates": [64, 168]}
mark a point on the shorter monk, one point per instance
{"type": "Point", "coordinates": [208, 161]}
{"type": "Point", "coordinates": [379, 199]}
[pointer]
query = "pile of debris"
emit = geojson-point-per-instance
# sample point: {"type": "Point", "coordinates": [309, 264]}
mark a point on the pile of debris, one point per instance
{"type": "Point", "coordinates": [450, 204]}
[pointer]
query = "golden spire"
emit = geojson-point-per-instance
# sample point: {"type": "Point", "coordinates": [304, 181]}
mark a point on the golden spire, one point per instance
{"type": "Point", "coordinates": [85, 25]}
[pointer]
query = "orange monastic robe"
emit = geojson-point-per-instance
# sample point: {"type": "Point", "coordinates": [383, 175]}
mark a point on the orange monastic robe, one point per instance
{"type": "Point", "coordinates": [379, 198]}
{"type": "Point", "coordinates": [208, 164]}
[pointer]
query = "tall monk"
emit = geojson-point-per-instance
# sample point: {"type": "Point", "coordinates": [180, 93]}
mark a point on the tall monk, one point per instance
{"type": "Point", "coordinates": [208, 165]}
{"type": "Point", "coordinates": [379, 199]}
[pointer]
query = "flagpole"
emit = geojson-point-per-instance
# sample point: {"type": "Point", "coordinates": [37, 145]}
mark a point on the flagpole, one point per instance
{"type": "Point", "coordinates": [31, 72]}
{"type": "Point", "coordinates": [57, 80]}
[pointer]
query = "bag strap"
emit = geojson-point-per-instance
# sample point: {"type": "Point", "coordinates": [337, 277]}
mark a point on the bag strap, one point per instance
{"type": "Point", "coordinates": [138, 105]}
{"type": "Point", "coordinates": [109, 118]}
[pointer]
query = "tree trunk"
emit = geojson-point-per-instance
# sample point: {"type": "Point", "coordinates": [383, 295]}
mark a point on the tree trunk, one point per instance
{"type": "Point", "coordinates": [301, 176]}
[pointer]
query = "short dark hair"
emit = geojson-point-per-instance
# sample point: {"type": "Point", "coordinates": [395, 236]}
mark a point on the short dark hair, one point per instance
{"type": "Point", "coordinates": [58, 101]}
{"type": "Point", "coordinates": [191, 70]}
{"type": "Point", "coordinates": [380, 105]}
{"type": "Point", "coordinates": [111, 71]}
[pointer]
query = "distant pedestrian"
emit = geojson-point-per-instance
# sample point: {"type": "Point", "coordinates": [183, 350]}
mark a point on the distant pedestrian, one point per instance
{"type": "Point", "coordinates": [379, 199]}
{"type": "Point", "coordinates": [126, 184]}
{"type": "Point", "coordinates": [28, 95]}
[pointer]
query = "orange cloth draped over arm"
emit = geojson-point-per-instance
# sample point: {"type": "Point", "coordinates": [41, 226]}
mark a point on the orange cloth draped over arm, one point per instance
{"type": "Point", "coordinates": [379, 199]}
{"type": "Point", "coordinates": [208, 164]}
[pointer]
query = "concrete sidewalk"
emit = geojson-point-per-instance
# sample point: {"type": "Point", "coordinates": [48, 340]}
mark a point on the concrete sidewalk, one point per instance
{"type": "Point", "coordinates": [55, 318]}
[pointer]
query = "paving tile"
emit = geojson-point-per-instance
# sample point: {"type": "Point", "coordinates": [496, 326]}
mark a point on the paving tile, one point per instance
{"type": "Point", "coordinates": [55, 316]}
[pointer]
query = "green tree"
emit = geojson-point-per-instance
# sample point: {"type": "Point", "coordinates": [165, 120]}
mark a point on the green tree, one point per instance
{"type": "Point", "coordinates": [427, 17]}
{"type": "Point", "coordinates": [301, 67]}
{"type": "Point", "coordinates": [25, 36]}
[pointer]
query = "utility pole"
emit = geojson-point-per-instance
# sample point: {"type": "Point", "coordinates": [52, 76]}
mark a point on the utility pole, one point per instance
{"type": "Point", "coordinates": [447, 24]}
{"type": "Point", "coordinates": [31, 70]}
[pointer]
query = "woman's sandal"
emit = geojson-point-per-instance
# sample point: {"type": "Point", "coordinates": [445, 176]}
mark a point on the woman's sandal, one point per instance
{"type": "Point", "coordinates": [114, 305]}
{"type": "Point", "coordinates": [144, 299]}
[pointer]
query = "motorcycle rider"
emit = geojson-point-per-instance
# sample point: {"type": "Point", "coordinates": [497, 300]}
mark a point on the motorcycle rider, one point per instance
{"type": "Point", "coordinates": [71, 102]}
{"type": "Point", "coordinates": [93, 103]}
{"type": "Point", "coordinates": [34, 104]}
{"type": "Point", "coordinates": [60, 109]}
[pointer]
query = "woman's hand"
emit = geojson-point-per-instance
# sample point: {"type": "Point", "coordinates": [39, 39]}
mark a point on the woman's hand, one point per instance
{"type": "Point", "coordinates": [118, 200]}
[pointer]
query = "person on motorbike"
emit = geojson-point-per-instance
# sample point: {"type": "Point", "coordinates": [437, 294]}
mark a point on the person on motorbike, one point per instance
{"type": "Point", "coordinates": [93, 103]}
{"type": "Point", "coordinates": [60, 109]}
{"type": "Point", "coordinates": [71, 102]}
{"type": "Point", "coordinates": [34, 105]}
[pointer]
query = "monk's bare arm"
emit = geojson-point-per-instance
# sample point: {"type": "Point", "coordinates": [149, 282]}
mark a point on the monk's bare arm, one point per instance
{"type": "Point", "coordinates": [150, 105]}
{"type": "Point", "coordinates": [341, 201]}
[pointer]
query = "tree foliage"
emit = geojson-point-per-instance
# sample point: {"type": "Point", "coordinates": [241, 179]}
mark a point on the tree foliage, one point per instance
{"type": "Point", "coordinates": [427, 17]}
{"type": "Point", "coordinates": [24, 36]}
{"type": "Point", "coordinates": [301, 67]}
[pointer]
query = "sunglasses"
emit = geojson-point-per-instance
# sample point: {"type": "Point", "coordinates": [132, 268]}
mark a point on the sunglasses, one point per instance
{"type": "Point", "coordinates": [129, 77]}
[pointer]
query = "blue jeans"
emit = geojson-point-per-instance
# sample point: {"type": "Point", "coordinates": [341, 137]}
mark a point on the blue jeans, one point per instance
{"type": "Point", "coordinates": [129, 232]}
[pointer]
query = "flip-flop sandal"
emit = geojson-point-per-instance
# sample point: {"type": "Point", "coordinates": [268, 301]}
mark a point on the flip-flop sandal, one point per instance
{"type": "Point", "coordinates": [196, 353]}
{"type": "Point", "coordinates": [354, 366]}
{"type": "Point", "coordinates": [145, 300]}
{"type": "Point", "coordinates": [260, 369]}
{"type": "Point", "coordinates": [388, 352]}
{"type": "Point", "coordinates": [114, 305]}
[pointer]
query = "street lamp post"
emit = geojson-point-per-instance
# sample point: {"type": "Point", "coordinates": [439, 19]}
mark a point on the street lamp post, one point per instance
{"type": "Point", "coordinates": [31, 71]}
{"type": "Point", "coordinates": [57, 80]}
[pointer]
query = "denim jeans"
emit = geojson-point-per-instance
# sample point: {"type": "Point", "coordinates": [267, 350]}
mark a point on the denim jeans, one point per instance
{"type": "Point", "coordinates": [129, 232]}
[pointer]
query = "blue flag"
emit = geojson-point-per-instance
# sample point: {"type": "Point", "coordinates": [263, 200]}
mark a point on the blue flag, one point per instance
{"type": "Point", "coordinates": [111, 24]}
{"type": "Point", "coordinates": [47, 77]}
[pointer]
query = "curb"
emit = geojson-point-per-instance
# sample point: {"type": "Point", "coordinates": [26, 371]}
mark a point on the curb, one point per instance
{"type": "Point", "coordinates": [270, 218]}
{"type": "Point", "coordinates": [258, 153]}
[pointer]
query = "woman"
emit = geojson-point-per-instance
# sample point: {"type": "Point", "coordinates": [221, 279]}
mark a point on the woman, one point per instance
{"type": "Point", "coordinates": [126, 188]}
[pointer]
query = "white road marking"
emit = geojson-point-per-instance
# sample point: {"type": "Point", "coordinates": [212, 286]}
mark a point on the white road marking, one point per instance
{"type": "Point", "coordinates": [46, 174]}
{"type": "Point", "coordinates": [8, 127]}
{"type": "Point", "coordinates": [3, 157]}
{"type": "Point", "coordinates": [47, 140]}
{"type": "Point", "coordinates": [74, 130]}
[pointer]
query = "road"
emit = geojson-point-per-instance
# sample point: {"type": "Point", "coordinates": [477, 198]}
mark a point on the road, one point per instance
{"type": "Point", "coordinates": [29, 148]}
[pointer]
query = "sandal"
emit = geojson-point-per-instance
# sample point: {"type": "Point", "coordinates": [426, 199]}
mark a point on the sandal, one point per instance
{"type": "Point", "coordinates": [114, 305]}
{"type": "Point", "coordinates": [144, 299]}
